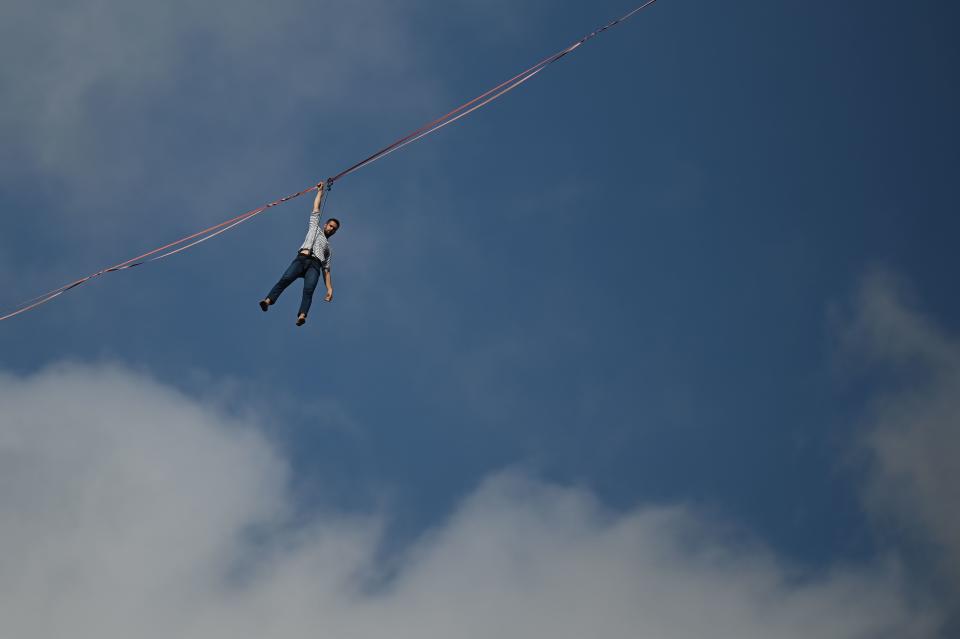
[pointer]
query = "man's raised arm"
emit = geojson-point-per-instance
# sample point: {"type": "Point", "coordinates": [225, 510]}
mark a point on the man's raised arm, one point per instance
{"type": "Point", "coordinates": [319, 200]}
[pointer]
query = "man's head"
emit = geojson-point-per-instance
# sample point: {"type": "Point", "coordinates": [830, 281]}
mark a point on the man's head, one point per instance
{"type": "Point", "coordinates": [331, 227]}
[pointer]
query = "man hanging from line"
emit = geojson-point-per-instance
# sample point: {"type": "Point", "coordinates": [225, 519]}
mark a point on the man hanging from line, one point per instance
{"type": "Point", "coordinates": [312, 260]}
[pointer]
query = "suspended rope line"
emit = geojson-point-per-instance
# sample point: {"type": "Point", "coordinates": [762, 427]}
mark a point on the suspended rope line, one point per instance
{"type": "Point", "coordinates": [151, 256]}
{"type": "Point", "coordinates": [485, 97]}
{"type": "Point", "coordinates": [463, 110]}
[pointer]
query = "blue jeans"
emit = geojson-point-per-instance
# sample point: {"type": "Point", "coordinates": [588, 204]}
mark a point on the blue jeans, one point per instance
{"type": "Point", "coordinates": [305, 266]}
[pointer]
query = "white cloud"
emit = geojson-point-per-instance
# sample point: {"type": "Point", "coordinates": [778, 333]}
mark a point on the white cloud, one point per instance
{"type": "Point", "coordinates": [110, 97]}
{"type": "Point", "coordinates": [130, 510]}
{"type": "Point", "coordinates": [101, 91]}
{"type": "Point", "coordinates": [914, 433]}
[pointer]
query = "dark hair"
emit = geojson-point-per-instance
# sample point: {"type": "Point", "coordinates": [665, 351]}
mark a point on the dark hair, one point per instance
{"type": "Point", "coordinates": [333, 219]}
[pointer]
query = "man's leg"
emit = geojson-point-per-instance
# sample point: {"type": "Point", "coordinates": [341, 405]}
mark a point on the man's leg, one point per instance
{"type": "Point", "coordinates": [293, 271]}
{"type": "Point", "coordinates": [310, 279]}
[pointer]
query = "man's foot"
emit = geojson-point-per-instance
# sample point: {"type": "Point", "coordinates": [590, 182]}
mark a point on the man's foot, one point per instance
{"type": "Point", "coordinates": [301, 319]}
{"type": "Point", "coordinates": [264, 304]}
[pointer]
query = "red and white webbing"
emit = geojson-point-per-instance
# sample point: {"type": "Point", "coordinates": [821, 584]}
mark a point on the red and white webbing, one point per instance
{"type": "Point", "coordinates": [193, 239]}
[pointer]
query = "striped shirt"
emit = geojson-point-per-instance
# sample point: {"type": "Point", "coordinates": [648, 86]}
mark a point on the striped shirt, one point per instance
{"type": "Point", "coordinates": [317, 242]}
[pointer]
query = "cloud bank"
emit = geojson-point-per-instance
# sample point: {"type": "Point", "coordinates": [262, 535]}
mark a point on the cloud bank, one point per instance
{"type": "Point", "coordinates": [130, 510]}
{"type": "Point", "coordinates": [913, 438]}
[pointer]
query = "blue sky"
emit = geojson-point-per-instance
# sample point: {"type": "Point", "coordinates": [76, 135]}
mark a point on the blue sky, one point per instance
{"type": "Point", "coordinates": [705, 262]}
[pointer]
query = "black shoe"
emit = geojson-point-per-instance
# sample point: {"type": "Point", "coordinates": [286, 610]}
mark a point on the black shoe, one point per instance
{"type": "Point", "coordinates": [301, 319]}
{"type": "Point", "coordinates": [264, 305]}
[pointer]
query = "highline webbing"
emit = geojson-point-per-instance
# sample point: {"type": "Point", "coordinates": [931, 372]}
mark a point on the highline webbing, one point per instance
{"type": "Point", "coordinates": [198, 237]}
